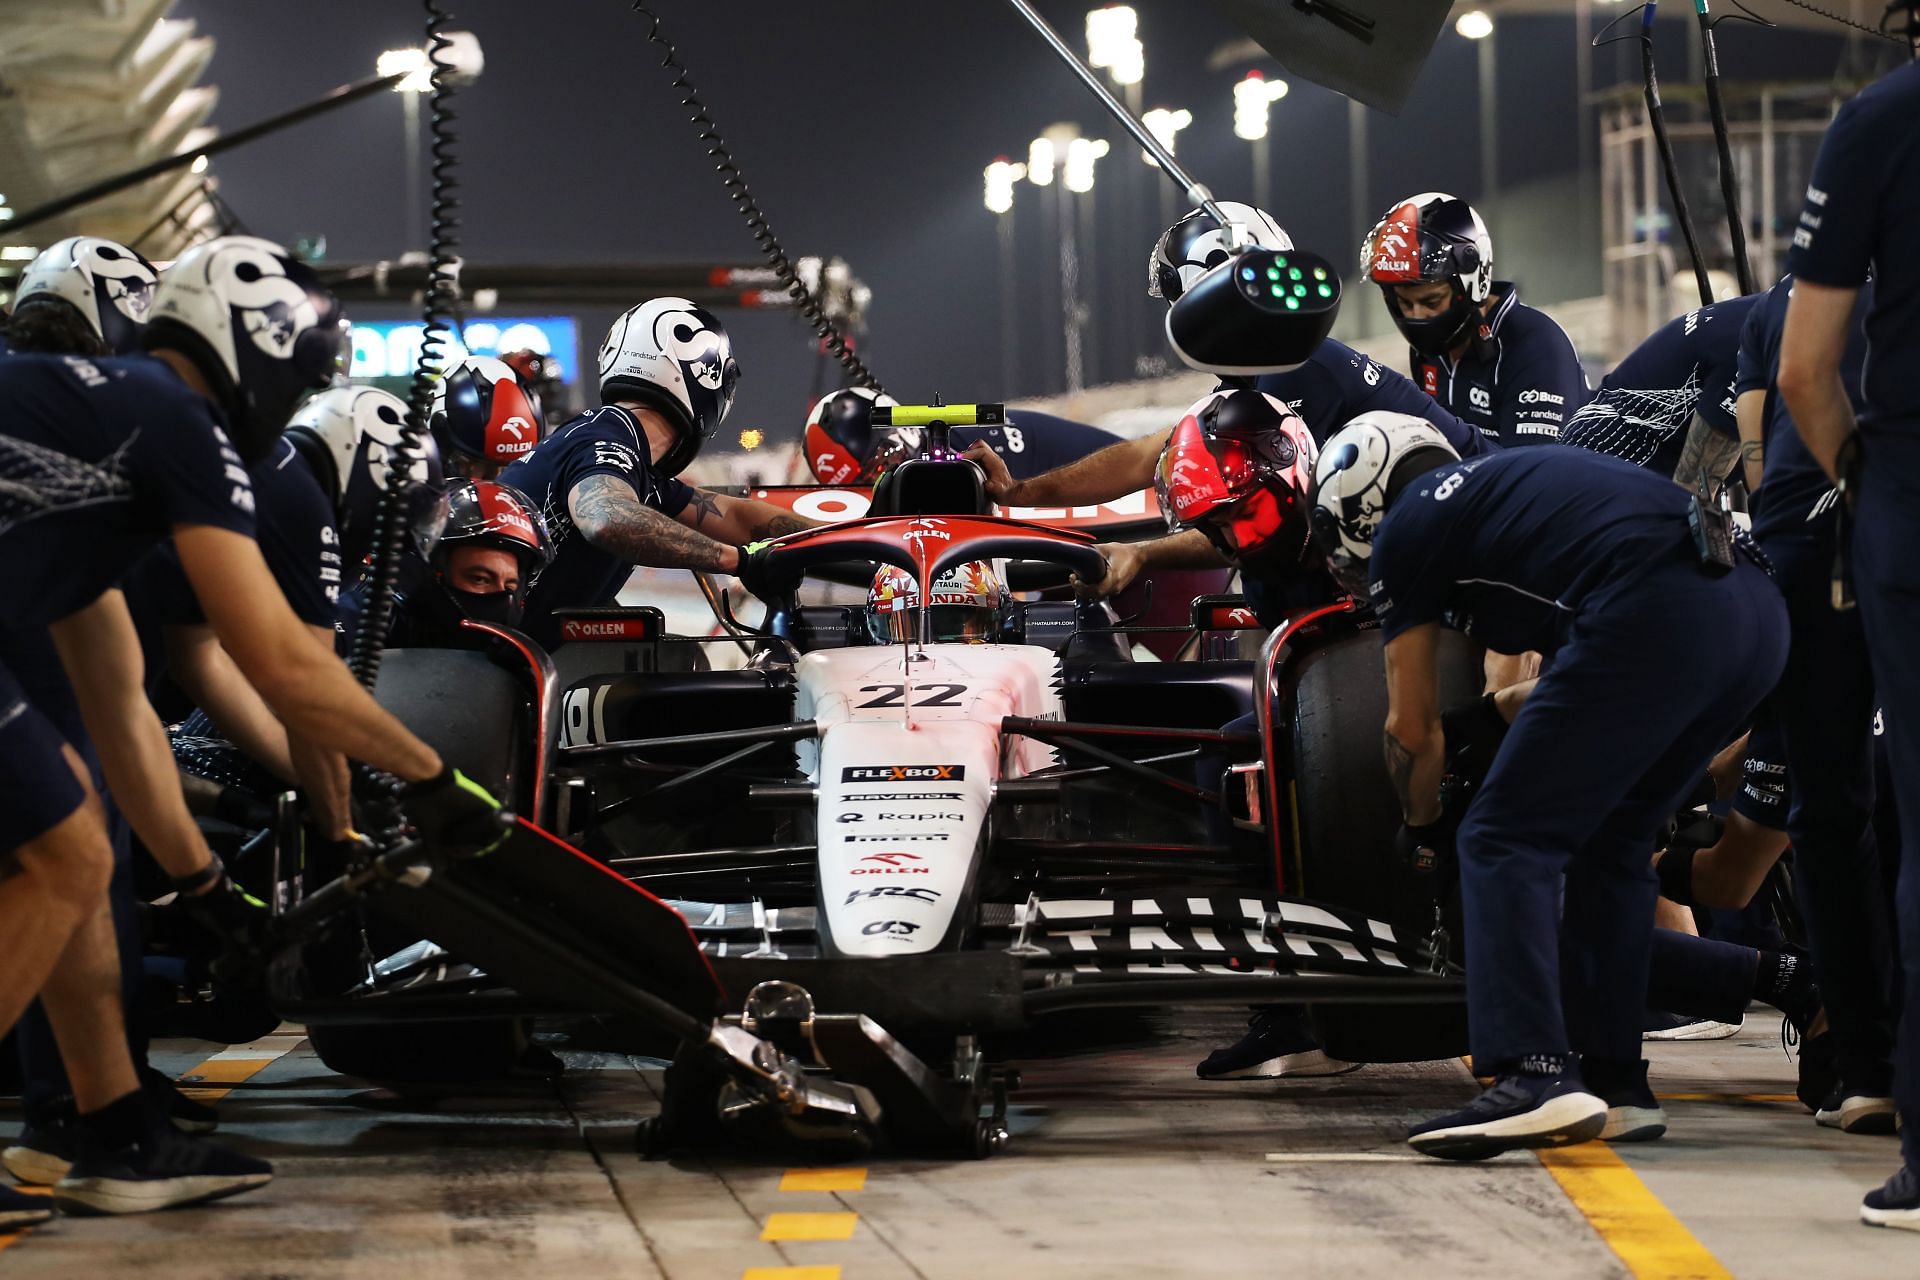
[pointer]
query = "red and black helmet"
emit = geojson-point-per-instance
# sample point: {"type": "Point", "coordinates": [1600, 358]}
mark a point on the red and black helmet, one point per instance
{"type": "Point", "coordinates": [1238, 468]}
{"type": "Point", "coordinates": [487, 513]}
{"type": "Point", "coordinates": [1429, 239]}
{"type": "Point", "coordinates": [481, 411]}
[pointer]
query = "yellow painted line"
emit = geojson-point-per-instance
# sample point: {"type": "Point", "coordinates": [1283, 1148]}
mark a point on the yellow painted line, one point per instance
{"type": "Point", "coordinates": [823, 1180]}
{"type": "Point", "coordinates": [810, 1226]}
{"type": "Point", "coordinates": [791, 1273]}
{"type": "Point", "coordinates": [1728, 1097]}
{"type": "Point", "coordinates": [10, 1238]}
{"type": "Point", "coordinates": [1652, 1243]}
{"type": "Point", "coordinates": [215, 1078]}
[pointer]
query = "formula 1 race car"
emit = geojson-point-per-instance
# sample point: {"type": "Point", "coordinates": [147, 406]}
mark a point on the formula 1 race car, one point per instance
{"type": "Point", "coordinates": [928, 841]}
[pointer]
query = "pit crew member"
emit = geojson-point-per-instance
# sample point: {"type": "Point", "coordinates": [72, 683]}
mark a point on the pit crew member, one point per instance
{"type": "Point", "coordinates": [1865, 178]}
{"type": "Point", "coordinates": [844, 447]}
{"type": "Point", "coordinates": [1588, 559]}
{"type": "Point", "coordinates": [106, 457]}
{"type": "Point", "coordinates": [1335, 385]}
{"type": "Point", "coordinates": [606, 480]}
{"type": "Point", "coordinates": [83, 296]}
{"type": "Point", "coordinates": [1489, 359]}
{"type": "Point", "coordinates": [1668, 405]}
{"type": "Point", "coordinates": [483, 419]}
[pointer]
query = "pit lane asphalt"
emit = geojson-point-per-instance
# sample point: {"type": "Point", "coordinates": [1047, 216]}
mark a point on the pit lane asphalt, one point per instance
{"type": "Point", "coordinates": [1123, 1164]}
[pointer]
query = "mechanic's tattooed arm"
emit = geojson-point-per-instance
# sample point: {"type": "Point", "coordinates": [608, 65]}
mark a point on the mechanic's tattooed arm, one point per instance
{"type": "Point", "coordinates": [1414, 743]}
{"type": "Point", "coordinates": [1749, 413]}
{"type": "Point", "coordinates": [611, 516]}
{"type": "Point", "coordinates": [739, 520]}
{"type": "Point", "coordinates": [1706, 459]}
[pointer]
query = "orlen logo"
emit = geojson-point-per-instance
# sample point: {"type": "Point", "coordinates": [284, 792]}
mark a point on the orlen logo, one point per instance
{"type": "Point", "coordinates": [904, 773]}
{"type": "Point", "coordinates": [927, 529]}
{"type": "Point", "coordinates": [833, 467]}
{"type": "Point", "coordinates": [1430, 379]}
{"type": "Point", "coordinates": [890, 864]}
{"type": "Point", "coordinates": [513, 437]}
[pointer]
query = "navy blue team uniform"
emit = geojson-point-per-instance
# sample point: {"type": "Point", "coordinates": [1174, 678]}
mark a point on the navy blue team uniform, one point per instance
{"type": "Point", "coordinates": [1864, 180]}
{"type": "Point", "coordinates": [104, 458]}
{"type": "Point", "coordinates": [1518, 382]}
{"type": "Point", "coordinates": [1688, 365]}
{"type": "Point", "coordinates": [1032, 443]}
{"type": "Point", "coordinates": [606, 441]}
{"type": "Point", "coordinates": [1588, 560]}
{"type": "Point", "coordinates": [1336, 385]}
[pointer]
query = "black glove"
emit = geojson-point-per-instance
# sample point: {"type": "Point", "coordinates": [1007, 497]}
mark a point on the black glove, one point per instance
{"type": "Point", "coordinates": [452, 811]}
{"type": "Point", "coordinates": [758, 577]}
{"type": "Point", "coordinates": [1427, 848]}
{"type": "Point", "coordinates": [239, 923]}
{"type": "Point", "coordinates": [243, 809]}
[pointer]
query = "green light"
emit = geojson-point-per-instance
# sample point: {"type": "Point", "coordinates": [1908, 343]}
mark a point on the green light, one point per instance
{"type": "Point", "coordinates": [1293, 304]}
{"type": "Point", "coordinates": [1280, 259]}
{"type": "Point", "coordinates": [1319, 273]}
{"type": "Point", "coordinates": [1279, 289]}
{"type": "Point", "coordinates": [1272, 273]}
{"type": "Point", "coordinates": [1325, 292]}
{"type": "Point", "coordinates": [1299, 291]}
{"type": "Point", "coordinates": [1293, 273]}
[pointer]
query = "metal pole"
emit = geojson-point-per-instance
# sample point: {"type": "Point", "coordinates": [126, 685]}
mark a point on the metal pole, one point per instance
{"type": "Point", "coordinates": [1582, 115]}
{"type": "Point", "coordinates": [1009, 277]}
{"type": "Point", "coordinates": [415, 187]}
{"type": "Point", "coordinates": [1357, 198]}
{"type": "Point", "coordinates": [1196, 192]}
{"type": "Point", "coordinates": [1489, 121]}
{"type": "Point", "coordinates": [1089, 244]}
{"type": "Point", "coordinates": [1262, 169]}
{"type": "Point", "coordinates": [1657, 117]}
{"type": "Point", "coordinates": [339, 97]}
{"type": "Point", "coordinates": [1070, 311]}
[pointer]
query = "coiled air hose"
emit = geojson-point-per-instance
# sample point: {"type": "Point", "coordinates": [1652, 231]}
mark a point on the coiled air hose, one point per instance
{"type": "Point", "coordinates": [392, 522]}
{"type": "Point", "coordinates": [736, 184]}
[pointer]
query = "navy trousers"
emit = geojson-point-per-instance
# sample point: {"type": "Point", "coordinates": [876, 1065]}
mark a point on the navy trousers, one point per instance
{"type": "Point", "coordinates": [1886, 571]}
{"type": "Point", "coordinates": [1825, 707]}
{"type": "Point", "coordinates": [1655, 676]}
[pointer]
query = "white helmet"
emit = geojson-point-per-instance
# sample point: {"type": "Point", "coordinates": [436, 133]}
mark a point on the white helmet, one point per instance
{"type": "Point", "coordinates": [262, 329]}
{"type": "Point", "coordinates": [350, 437]}
{"type": "Point", "coordinates": [676, 358]}
{"type": "Point", "coordinates": [1362, 468]}
{"type": "Point", "coordinates": [969, 605]}
{"type": "Point", "coordinates": [1196, 245]}
{"type": "Point", "coordinates": [109, 284]}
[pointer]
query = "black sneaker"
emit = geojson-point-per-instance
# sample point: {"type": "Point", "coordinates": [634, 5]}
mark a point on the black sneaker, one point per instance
{"type": "Point", "coordinates": [1633, 1113]}
{"type": "Point", "coordinates": [185, 1114]}
{"type": "Point", "coordinates": [1857, 1110]}
{"type": "Point", "coordinates": [19, 1210]}
{"type": "Point", "coordinates": [42, 1153]}
{"type": "Point", "coordinates": [1819, 1070]}
{"type": "Point", "coordinates": [164, 1170]}
{"type": "Point", "coordinates": [1518, 1111]}
{"type": "Point", "coordinates": [1897, 1204]}
{"type": "Point", "coordinates": [1278, 1043]}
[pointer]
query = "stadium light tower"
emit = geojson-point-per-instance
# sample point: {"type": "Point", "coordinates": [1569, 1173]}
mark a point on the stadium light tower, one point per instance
{"type": "Point", "coordinates": [1113, 43]}
{"type": "Point", "coordinates": [1253, 99]}
{"type": "Point", "coordinates": [1164, 125]}
{"type": "Point", "coordinates": [418, 68]}
{"type": "Point", "coordinates": [1002, 176]}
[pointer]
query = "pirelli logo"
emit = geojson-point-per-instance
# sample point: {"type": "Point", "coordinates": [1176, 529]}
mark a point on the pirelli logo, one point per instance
{"type": "Point", "coordinates": [904, 773]}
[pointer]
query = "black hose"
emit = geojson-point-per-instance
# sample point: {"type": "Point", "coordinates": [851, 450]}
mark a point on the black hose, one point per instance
{"type": "Point", "coordinates": [1729, 182]}
{"type": "Point", "coordinates": [736, 184]}
{"type": "Point", "coordinates": [391, 520]}
{"type": "Point", "coordinates": [1657, 119]}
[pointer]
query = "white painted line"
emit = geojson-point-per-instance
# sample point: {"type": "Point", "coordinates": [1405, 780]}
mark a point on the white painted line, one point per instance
{"type": "Point", "coordinates": [1388, 1157]}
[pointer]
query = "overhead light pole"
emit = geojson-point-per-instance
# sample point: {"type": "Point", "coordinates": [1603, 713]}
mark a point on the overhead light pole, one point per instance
{"type": "Point", "coordinates": [1477, 26]}
{"type": "Point", "coordinates": [1114, 45]}
{"type": "Point", "coordinates": [1002, 177]}
{"type": "Point", "coordinates": [1253, 99]}
{"type": "Point", "coordinates": [418, 69]}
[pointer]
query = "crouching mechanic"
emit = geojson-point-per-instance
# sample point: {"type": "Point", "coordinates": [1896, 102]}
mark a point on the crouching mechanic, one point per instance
{"type": "Point", "coordinates": [1489, 359]}
{"type": "Point", "coordinates": [105, 457]}
{"type": "Point", "coordinates": [1589, 560]}
{"type": "Point", "coordinates": [605, 480]}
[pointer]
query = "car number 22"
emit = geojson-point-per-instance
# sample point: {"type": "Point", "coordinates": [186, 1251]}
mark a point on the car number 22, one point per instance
{"type": "Point", "coordinates": [925, 695]}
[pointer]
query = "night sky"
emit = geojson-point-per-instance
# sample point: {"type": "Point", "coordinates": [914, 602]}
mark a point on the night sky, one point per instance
{"type": "Point", "coordinates": [862, 126]}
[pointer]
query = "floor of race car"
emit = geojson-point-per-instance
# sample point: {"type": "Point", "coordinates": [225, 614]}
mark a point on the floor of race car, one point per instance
{"type": "Point", "coordinates": [1122, 1164]}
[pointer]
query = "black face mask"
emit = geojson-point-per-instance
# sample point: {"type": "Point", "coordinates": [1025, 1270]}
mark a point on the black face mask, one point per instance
{"type": "Point", "coordinates": [501, 608]}
{"type": "Point", "coordinates": [1435, 336]}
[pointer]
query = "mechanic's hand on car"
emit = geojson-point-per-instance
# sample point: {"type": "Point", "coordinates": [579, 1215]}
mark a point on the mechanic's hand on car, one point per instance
{"type": "Point", "coordinates": [756, 574]}
{"type": "Point", "coordinates": [1124, 562]}
{"type": "Point", "coordinates": [1001, 486]}
{"type": "Point", "coordinates": [452, 811]}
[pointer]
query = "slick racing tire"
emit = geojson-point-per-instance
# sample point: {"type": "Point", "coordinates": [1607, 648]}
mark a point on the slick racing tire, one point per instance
{"type": "Point", "coordinates": [1348, 815]}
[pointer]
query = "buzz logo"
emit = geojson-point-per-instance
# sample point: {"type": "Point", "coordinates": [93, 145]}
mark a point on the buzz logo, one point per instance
{"type": "Point", "coordinates": [1534, 396]}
